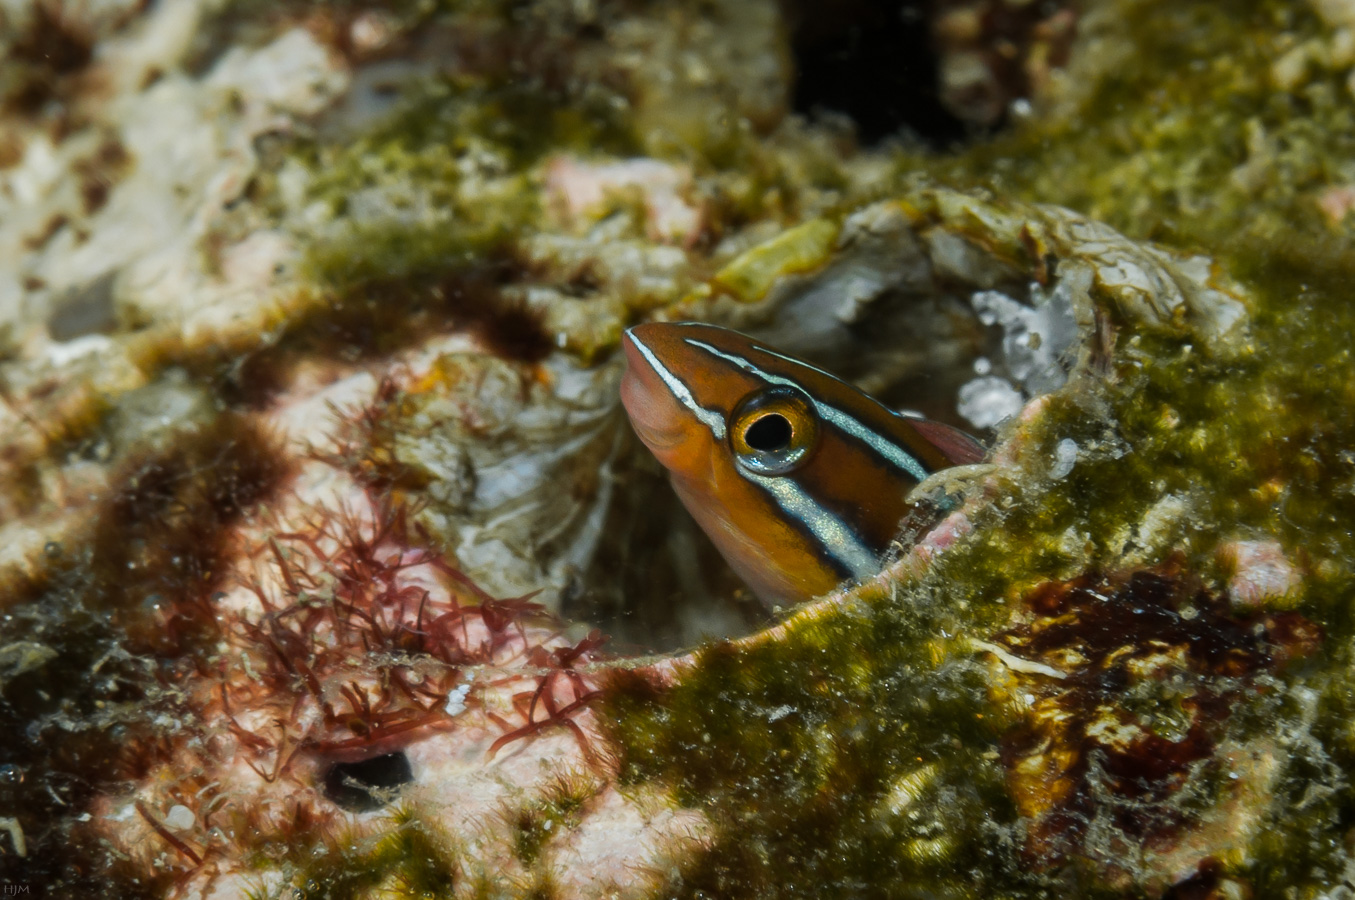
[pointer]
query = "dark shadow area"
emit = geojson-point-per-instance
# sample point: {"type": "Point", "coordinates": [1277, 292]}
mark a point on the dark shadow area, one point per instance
{"type": "Point", "coordinates": [874, 62]}
{"type": "Point", "coordinates": [657, 584]}
{"type": "Point", "coordinates": [367, 784]}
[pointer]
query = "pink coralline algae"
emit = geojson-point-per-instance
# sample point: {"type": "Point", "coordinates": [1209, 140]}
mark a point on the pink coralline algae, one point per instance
{"type": "Point", "coordinates": [360, 690]}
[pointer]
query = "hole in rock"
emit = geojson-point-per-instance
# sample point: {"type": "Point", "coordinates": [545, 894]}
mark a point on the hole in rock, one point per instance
{"type": "Point", "coordinates": [874, 62]}
{"type": "Point", "coordinates": [961, 354]}
{"type": "Point", "coordinates": [966, 355]}
{"type": "Point", "coordinates": [769, 433]}
{"type": "Point", "coordinates": [368, 784]}
{"type": "Point", "coordinates": [656, 583]}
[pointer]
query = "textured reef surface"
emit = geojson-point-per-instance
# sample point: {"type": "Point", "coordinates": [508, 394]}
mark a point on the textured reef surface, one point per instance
{"type": "Point", "coordinates": [330, 567]}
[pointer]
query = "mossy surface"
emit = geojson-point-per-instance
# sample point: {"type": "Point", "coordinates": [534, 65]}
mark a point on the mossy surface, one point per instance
{"type": "Point", "coordinates": [447, 175]}
{"type": "Point", "coordinates": [849, 759]}
{"type": "Point", "coordinates": [1192, 132]}
{"type": "Point", "coordinates": [1188, 141]}
{"type": "Point", "coordinates": [860, 752]}
{"type": "Point", "coordinates": [410, 859]}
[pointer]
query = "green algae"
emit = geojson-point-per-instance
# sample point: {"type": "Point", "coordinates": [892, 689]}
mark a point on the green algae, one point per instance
{"type": "Point", "coordinates": [447, 175]}
{"type": "Point", "coordinates": [1184, 136]}
{"type": "Point", "coordinates": [538, 821]}
{"type": "Point", "coordinates": [1243, 445]}
{"type": "Point", "coordinates": [411, 859]}
{"type": "Point", "coordinates": [850, 771]}
{"type": "Point", "coordinates": [858, 752]}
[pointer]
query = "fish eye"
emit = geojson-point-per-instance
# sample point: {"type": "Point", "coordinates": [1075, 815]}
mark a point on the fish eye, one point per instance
{"type": "Point", "coordinates": [773, 431]}
{"type": "Point", "coordinates": [769, 433]}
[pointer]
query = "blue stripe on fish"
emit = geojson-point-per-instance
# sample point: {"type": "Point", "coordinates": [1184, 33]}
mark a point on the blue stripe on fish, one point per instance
{"type": "Point", "coordinates": [835, 538]}
{"type": "Point", "coordinates": [846, 423]}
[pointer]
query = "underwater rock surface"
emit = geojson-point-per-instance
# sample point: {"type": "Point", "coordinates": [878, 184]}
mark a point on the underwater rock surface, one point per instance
{"type": "Point", "coordinates": [329, 566]}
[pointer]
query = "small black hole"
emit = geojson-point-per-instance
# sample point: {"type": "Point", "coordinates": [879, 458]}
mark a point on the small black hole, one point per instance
{"type": "Point", "coordinates": [874, 61]}
{"type": "Point", "coordinates": [369, 784]}
{"type": "Point", "coordinates": [769, 433]}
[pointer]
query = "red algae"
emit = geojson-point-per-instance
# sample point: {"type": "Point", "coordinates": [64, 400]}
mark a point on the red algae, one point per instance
{"type": "Point", "coordinates": [355, 673]}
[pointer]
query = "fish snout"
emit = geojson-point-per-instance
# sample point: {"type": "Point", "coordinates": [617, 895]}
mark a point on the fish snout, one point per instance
{"type": "Point", "coordinates": [655, 414]}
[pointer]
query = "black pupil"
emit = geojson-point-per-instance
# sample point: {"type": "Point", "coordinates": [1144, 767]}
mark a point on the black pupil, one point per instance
{"type": "Point", "coordinates": [369, 784]}
{"type": "Point", "coordinates": [769, 433]}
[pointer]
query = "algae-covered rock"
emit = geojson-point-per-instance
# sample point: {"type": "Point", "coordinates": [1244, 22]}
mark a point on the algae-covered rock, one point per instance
{"type": "Point", "coordinates": [318, 507]}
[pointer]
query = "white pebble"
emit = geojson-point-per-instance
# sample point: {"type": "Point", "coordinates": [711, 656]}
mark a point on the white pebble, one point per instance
{"type": "Point", "coordinates": [987, 400]}
{"type": "Point", "coordinates": [179, 818]}
{"type": "Point", "coordinates": [1065, 457]}
{"type": "Point", "coordinates": [456, 700]}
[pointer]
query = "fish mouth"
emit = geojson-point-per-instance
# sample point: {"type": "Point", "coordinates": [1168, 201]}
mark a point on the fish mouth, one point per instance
{"type": "Point", "coordinates": [654, 413]}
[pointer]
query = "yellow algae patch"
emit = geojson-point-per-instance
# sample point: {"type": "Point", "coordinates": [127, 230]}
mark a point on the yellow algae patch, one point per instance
{"type": "Point", "coordinates": [803, 248]}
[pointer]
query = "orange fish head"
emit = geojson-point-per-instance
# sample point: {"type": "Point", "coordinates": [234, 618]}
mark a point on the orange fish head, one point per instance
{"type": "Point", "coordinates": [800, 479]}
{"type": "Point", "coordinates": [676, 406]}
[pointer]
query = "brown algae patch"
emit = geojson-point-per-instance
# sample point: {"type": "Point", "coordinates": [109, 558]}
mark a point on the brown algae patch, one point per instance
{"type": "Point", "coordinates": [1127, 755]}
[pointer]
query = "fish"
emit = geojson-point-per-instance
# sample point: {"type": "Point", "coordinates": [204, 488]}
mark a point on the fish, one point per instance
{"type": "Point", "coordinates": [800, 479]}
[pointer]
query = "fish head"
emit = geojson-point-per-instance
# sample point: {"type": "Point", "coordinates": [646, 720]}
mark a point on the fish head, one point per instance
{"type": "Point", "coordinates": [799, 478]}
{"type": "Point", "coordinates": [699, 412]}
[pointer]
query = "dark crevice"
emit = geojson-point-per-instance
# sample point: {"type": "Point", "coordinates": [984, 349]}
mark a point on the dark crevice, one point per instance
{"type": "Point", "coordinates": [368, 784]}
{"type": "Point", "coordinates": [874, 62]}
